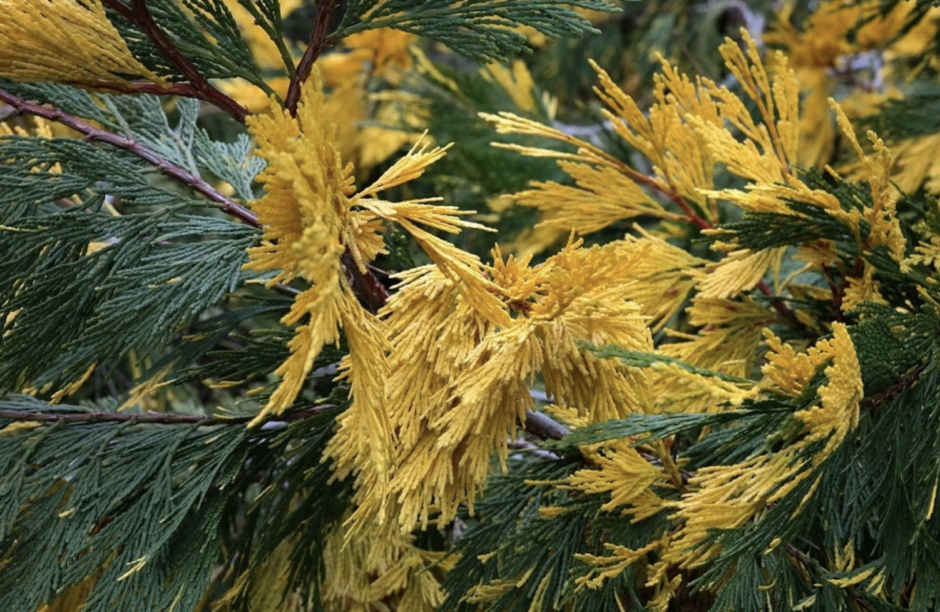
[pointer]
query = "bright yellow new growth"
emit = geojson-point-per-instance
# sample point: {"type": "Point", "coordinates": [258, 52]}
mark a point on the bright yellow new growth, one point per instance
{"type": "Point", "coordinates": [449, 427]}
{"type": "Point", "coordinates": [728, 343]}
{"type": "Point", "coordinates": [834, 32]}
{"type": "Point", "coordinates": [625, 474]}
{"type": "Point", "coordinates": [611, 566]}
{"type": "Point", "coordinates": [607, 190]}
{"type": "Point", "coordinates": [885, 227]}
{"type": "Point", "coordinates": [786, 370]}
{"type": "Point", "coordinates": [840, 397]}
{"type": "Point", "coordinates": [304, 213]}
{"type": "Point", "coordinates": [738, 272]}
{"type": "Point", "coordinates": [349, 74]}
{"type": "Point", "coordinates": [364, 574]}
{"type": "Point", "coordinates": [728, 496]}
{"type": "Point", "coordinates": [317, 228]}
{"type": "Point", "coordinates": [67, 41]}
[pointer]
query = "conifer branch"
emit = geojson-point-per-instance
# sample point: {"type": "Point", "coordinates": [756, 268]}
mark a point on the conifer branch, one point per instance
{"type": "Point", "coordinates": [318, 40]}
{"type": "Point", "coordinates": [777, 302]}
{"type": "Point", "coordinates": [155, 418]}
{"type": "Point", "coordinates": [140, 15]}
{"type": "Point", "coordinates": [369, 289]}
{"type": "Point", "coordinates": [183, 90]}
{"type": "Point", "coordinates": [93, 134]}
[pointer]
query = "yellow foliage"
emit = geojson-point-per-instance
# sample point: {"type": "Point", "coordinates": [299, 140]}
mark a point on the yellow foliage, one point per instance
{"type": "Point", "coordinates": [376, 54]}
{"type": "Point", "coordinates": [740, 271]}
{"type": "Point", "coordinates": [68, 41]}
{"type": "Point", "coordinates": [819, 51]}
{"type": "Point", "coordinates": [729, 496]}
{"type": "Point", "coordinates": [840, 397]}
{"type": "Point", "coordinates": [610, 566]}
{"type": "Point", "coordinates": [449, 427]}
{"type": "Point", "coordinates": [400, 577]}
{"type": "Point", "coordinates": [263, 49]}
{"type": "Point", "coordinates": [625, 474]}
{"type": "Point", "coordinates": [316, 227]}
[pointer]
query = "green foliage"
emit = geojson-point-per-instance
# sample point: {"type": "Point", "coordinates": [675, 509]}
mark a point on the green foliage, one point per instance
{"type": "Point", "coordinates": [125, 289]}
{"type": "Point", "coordinates": [159, 266]}
{"type": "Point", "coordinates": [152, 542]}
{"type": "Point", "coordinates": [204, 32]}
{"type": "Point", "coordinates": [481, 30]}
{"type": "Point", "coordinates": [137, 507]}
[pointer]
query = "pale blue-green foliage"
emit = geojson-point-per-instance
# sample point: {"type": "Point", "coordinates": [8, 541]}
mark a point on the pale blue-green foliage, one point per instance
{"type": "Point", "coordinates": [88, 286]}
{"type": "Point", "coordinates": [233, 162]}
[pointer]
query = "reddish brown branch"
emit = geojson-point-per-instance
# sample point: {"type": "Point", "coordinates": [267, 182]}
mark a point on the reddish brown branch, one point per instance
{"type": "Point", "coordinates": [140, 15]}
{"type": "Point", "coordinates": [184, 90]}
{"type": "Point", "coordinates": [318, 40]}
{"type": "Point", "coordinates": [778, 304]}
{"type": "Point", "coordinates": [693, 217]}
{"type": "Point", "coordinates": [893, 391]}
{"type": "Point", "coordinates": [93, 134]}
{"type": "Point", "coordinates": [156, 418]}
{"type": "Point", "coordinates": [121, 9]}
{"type": "Point", "coordinates": [369, 289]}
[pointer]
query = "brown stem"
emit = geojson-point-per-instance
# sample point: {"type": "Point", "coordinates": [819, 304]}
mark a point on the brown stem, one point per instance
{"type": "Point", "coordinates": [778, 304]}
{"type": "Point", "coordinates": [369, 289]}
{"type": "Point", "coordinates": [139, 14]}
{"type": "Point", "coordinates": [121, 9]}
{"type": "Point", "coordinates": [837, 294]}
{"type": "Point", "coordinates": [318, 40]}
{"type": "Point", "coordinates": [156, 418]}
{"type": "Point", "coordinates": [893, 391]}
{"type": "Point", "coordinates": [92, 134]}
{"type": "Point", "coordinates": [184, 90]}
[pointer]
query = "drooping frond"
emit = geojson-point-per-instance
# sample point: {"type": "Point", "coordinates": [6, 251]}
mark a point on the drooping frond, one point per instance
{"type": "Point", "coordinates": [304, 212]}
{"type": "Point", "coordinates": [481, 31]}
{"type": "Point", "coordinates": [727, 497]}
{"type": "Point", "coordinates": [65, 41]}
{"type": "Point", "coordinates": [451, 427]}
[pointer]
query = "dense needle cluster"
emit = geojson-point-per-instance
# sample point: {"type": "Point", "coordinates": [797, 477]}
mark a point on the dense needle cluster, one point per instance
{"type": "Point", "coordinates": [326, 358]}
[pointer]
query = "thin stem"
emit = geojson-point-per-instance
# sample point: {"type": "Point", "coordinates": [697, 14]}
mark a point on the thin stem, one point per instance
{"type": "Point", "coordinates": [93, 134]}
{"type": "Point", "coordinates": [837, 294]}
{"type": "Point", "coordinates": [369, 289]}
{"type": "Point", "coordinates": [156, 418]}
{"type": "Point", "coordinates": [894, 390]}
{"type": "Point", "coordinates": [139, 14]}
{"type": "Point", "coordinates": [318, 40]}
{"type": "Point", "coordinates": [544, 427]}
{"type": "Point", "coordinates": [184, 90]}
{"type": "Point", "coordinates": [121, 9]}
{"type": "Point", "coordinates": [777, 302]}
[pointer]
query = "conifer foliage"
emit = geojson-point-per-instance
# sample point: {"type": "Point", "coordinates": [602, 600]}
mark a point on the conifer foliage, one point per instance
{"type": "Point", "coordinates": [380, 317]}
